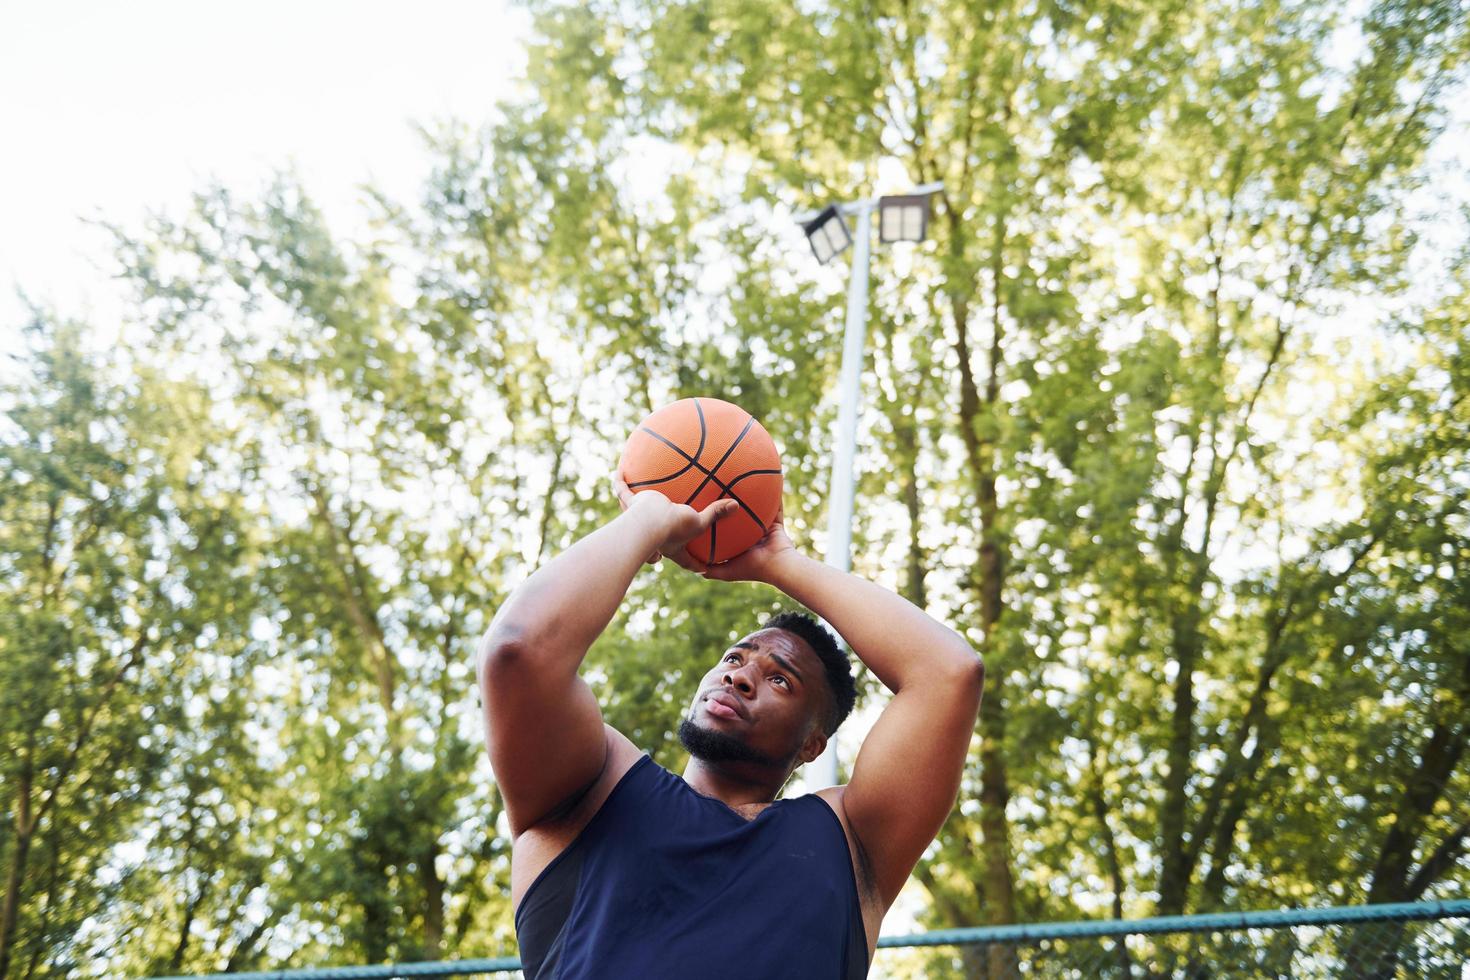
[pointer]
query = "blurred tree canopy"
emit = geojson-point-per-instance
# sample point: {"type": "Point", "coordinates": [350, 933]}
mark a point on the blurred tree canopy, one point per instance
{"type": "Point", "coordinates": [1169, 418]}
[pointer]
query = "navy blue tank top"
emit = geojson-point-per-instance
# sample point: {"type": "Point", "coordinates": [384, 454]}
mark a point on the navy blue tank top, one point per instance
{"type": "Point", "coordinates": [665, 882]}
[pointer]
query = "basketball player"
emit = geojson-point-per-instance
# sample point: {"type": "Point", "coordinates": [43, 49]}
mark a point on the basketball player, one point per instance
{"type": "Point", "coordinates": [622, 869]}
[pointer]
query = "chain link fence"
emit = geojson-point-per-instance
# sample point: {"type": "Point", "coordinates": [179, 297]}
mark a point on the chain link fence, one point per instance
{"type": "Point", "coordinates": [1428, 940]}
{"type": "Point", "coordinates": [1376, 942]}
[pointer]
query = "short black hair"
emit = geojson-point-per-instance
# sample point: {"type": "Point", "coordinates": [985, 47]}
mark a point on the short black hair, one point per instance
{"type": "Point", "coordinates": [838, 668]}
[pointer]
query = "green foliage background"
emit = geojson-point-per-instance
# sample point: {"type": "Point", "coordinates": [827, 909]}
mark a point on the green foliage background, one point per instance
{"type": "Point", "coordinates": [1169, 418]}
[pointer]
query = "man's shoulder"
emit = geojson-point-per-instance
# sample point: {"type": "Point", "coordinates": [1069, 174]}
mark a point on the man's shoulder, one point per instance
{"type": "Point", "coordinates": [622, 755]}
{"type": "Point", "coordinates": [621, 752]}
{"type": "Point", "coordinates": [574, 813]}
{"type": "Point", "coordinates": [872, 900]}
{"type": "Point", "coordinates": [833, 797]}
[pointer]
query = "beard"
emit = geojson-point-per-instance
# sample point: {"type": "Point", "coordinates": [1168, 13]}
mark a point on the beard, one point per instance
{"type": "Point", "coordinates": [715, 747]}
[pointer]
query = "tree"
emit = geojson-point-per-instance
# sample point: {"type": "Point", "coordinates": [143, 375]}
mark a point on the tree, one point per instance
{"type": "Point", "coordinates": [117, 534]}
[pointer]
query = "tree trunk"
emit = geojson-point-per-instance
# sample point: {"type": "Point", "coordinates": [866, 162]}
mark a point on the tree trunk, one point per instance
{"type": "Point", "coordinates": [362, 611]}
{"type": "Point", "coordinates": [176, 963]}
{"type": "Point", "coordinates": [25, 830]}
{"type": "Point", "coordinates": [1175, 871]}
{"type": "Point", "coordinates": [956, 912]}
{"type": "Point", "coordinates": [53, 883]}
{"type": "Point", "coordinates": [915, 588]}
{"type": "Point", "coordinates": [12, 899]}
{"type": "Point", "coordinates": [1438, 760]}
{"type": "Point", "coordinates": [1390, 878]}
{"type": "Point", "coordinates": [376, 900]}
{"type": "Point", "coordinates": [1110, 859]}
{"type": "Point", "coordinates": [905, 452]}
{"type": "Point", "coordinates": [244, 953]}
{"type": "Point", "coordinates": [548, 506]}
{"type": "Point", "coordinates": [998, 884]}
{"type": "Point", "coordinates": [433, 902]}
{"type": "Point", "coordinates": [956, 909]}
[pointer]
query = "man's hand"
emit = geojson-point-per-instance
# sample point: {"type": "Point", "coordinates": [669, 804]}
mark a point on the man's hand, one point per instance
{"type": "Point", "coordinates": [679, 524]}
{"type": "Point", "coordinates": [756, 564]}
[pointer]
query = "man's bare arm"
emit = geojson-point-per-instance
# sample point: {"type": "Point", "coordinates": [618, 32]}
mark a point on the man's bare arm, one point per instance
{"type": "Point", "coordinates": [543, 727]}
{"type": "Point", "coordinates": [570, 600]}
{"type": "Point", "coordinates": [907, 773]}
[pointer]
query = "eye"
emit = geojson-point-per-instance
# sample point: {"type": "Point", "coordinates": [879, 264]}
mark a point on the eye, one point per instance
{"type": "Point", "coordinates": [780, 677]}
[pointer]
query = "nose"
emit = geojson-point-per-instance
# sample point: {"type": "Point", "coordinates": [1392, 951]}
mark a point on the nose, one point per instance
{"type": "Point", "coordinates": [738, 678]}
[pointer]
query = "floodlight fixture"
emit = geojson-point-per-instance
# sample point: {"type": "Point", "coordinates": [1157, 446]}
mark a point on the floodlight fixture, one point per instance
{"type": "Point", "coordinates": [828, 234]}
{"type": "Point", "coordinates": [903, 217]}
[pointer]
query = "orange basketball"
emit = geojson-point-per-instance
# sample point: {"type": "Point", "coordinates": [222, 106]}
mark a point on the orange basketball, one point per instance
{"type": "Point", "coordinates": [699, 450]}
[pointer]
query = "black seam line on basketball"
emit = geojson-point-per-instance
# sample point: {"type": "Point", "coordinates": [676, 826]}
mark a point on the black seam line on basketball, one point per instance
{"type": "Point", "coordinates": [743, 505]}
{"type": "Point", "coordinates": [697, 452]}
{"type": "Point", "coordinates": [752, 473]}
{"type": "Point", "coordinates": [662, 479]}
{"type": "Point", "coordinates": [709, 475]}
{"type": "Point", "coordinates": [717, 481]}
{"type": "Point", "coordinates": [714, 525]}
{"type": "Point", "coordinates": [675, 447]}
{"type": "Point", "coordinates": [733, 495]}
{"type": "Point", "coordinates": [671, 476]}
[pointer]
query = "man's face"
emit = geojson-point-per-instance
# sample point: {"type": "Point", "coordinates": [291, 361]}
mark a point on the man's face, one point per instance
{"type": "Point", "coordinates": [776, 690]}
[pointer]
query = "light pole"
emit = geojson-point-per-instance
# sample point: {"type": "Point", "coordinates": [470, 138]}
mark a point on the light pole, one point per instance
{"type": "Point", "coordinates": [903, 217]}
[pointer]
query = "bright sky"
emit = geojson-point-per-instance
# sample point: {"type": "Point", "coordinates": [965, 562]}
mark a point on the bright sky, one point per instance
{"type": "Point", "coordinates": [111, 110]}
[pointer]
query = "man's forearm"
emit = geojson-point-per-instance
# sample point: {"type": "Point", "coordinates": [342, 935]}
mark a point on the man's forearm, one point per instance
{"type": "Point", "coordinates": [566, 604]}
{"type": "Point", "coordinates": [897, 640]}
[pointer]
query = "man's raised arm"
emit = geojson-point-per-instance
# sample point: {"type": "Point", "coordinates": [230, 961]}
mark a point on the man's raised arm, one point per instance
{"type": "Point", "coordinates": [907, 773]}
{"type": "Point", "coordinates": [543, 727]}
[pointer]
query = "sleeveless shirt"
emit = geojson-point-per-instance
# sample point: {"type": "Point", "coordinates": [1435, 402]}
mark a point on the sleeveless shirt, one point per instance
{"type": "Point", "coordinates": [664, 882]}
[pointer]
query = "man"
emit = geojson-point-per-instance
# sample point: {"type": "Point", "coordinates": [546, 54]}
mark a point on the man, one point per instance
{"type": "Point", "coordinates": [622, 869]}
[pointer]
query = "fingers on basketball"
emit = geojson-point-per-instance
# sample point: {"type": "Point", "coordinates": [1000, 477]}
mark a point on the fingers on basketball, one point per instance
{"type": "Point", "coordinates": [718, 510]}
{"type": "Point", "coordinates": [699, 451]}
{"type": "Point", "coordinates": [683, 559]}
{"type": "Point", "coordinates": [621, 491]}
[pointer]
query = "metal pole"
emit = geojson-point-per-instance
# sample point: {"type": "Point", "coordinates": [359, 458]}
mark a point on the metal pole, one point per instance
{"type": "Point", "coordinates": [839, 516]}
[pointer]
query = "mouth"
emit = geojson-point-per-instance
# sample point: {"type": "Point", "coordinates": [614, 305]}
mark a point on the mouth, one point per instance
{"type": "Point", "coordinates": [722, 706]}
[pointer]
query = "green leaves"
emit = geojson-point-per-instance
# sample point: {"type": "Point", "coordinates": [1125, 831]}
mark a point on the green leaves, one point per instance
{"type": "Point", "coordinates": [1155, 420]}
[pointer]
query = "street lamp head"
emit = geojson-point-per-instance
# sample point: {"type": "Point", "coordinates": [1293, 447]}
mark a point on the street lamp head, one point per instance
{"type": "Point", "coordinates": [828, 234]}
{"type": "Point", "coordinates": [903, 217]}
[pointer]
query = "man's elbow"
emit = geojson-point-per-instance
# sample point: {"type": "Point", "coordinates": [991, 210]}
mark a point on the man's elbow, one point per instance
{"type": "Point", "coordinates": [499, 645]}
{"type": "Point", "coordinates": [964, 657]}
{"type": "Point", "coordinates": [973, 668]}
{"type": "Point", "coordinates": [970, 669]}
{"type": "Point", "coordinates": [959, 653]}
{"type": "Point", "coordinates": [957, 667]}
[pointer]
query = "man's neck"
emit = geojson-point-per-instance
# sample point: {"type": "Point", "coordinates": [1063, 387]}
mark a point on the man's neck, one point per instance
{"type": "Point", "coordinates": [734, 784]}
